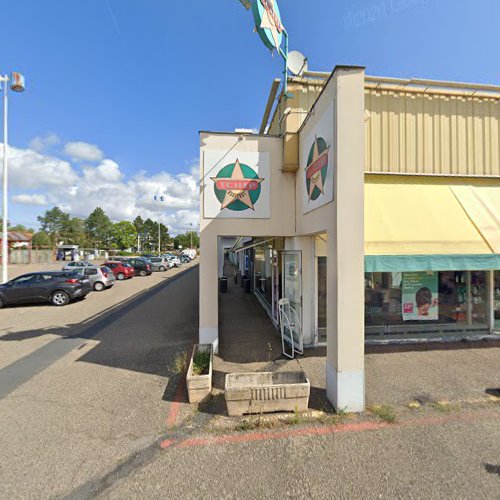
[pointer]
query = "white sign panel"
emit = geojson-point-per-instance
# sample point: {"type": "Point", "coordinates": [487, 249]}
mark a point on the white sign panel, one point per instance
{"type": "Point", "coordinates": [317, 163]}
{"type": "Point", "coordinates": [236, 185]}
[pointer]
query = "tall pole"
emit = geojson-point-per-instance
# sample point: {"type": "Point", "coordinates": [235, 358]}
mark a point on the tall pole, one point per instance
{"type": "Point", "coordinates": [5, 243]}
{"type": "Point", "coordinates": [159, 232]}
{"type": "Point", "coordinates": [191, 232]}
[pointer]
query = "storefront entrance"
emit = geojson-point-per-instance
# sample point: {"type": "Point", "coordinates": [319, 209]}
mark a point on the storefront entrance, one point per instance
{"type": "Point", "coordinates": [292, 282]}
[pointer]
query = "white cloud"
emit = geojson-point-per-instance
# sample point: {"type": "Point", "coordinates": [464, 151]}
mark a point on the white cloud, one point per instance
{"type": "Point", "coordinates": [41, 143]}
{"type": "Point", "coordinates": [53, 181]}
{"type": "Point", "coordinates": [30, 199]}
{"type": "Point", "coordinates": [31, 170]}
{"type": "Point", "coordinates": [83, 151]}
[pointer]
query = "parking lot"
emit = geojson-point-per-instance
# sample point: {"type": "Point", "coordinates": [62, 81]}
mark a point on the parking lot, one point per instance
{"type": "Point", "coordinates": [33, 326]}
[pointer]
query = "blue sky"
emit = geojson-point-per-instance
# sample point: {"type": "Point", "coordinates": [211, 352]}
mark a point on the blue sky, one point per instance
{"type": "Point", "coordinates": [138, 79]}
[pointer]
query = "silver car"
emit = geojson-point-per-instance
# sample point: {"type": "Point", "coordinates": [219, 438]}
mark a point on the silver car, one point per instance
{"type": "Point", "coordinates": [100, 278]}
{"type": "Point", "coordinates": [159, 264]}
{"type": "Point", "coordinates": [76, 265]}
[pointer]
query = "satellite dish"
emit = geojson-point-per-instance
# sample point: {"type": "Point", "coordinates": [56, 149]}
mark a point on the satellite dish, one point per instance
{"type": "Point", "coordinates": [297, 63]}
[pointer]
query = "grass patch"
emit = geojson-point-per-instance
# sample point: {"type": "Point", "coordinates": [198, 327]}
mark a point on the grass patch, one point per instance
{"type": "Point", "coordinates": [444, 406]}
{"type": "Point", "coordinates": [384, 412]}
{"type": "Point", "coordinates": [180, 363]}
{"type": "Point", "coordinates": [201, 363]}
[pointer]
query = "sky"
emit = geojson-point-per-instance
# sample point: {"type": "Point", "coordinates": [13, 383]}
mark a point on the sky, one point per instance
{"type": "Point", "coordinates": [117, 90]}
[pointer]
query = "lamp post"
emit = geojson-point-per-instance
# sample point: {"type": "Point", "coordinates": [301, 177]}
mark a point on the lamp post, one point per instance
{"type": "Point", "coordinates": [191, 233]}
{"type": "Point", "coordinates": [159, 199]}
{"type": "Point", "coordinates": [17, 85]}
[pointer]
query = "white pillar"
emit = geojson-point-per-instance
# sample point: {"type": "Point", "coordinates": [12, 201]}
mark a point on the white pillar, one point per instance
{"type": "Point", "coordinates": [345, 376]}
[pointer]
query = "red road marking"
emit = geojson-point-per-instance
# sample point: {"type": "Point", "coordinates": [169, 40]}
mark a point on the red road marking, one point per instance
{"type": "Point", "coordinates": [176, 404]}
{"type": "Point", "coordinates": [332, 429]}
{"type": "Point", "coordinates": [166, 443]}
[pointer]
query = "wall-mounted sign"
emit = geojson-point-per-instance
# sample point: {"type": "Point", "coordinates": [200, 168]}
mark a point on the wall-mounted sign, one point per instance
{"type": "Point", "coordinates": [237, 187]}
{"type": "Point", "coordinates": [317, 161]}
{"type": "Point", "coordinates": [420, 296]}
{"type": "Point", "coordinates": [268, 23]}
{"type": "Point", "coordinates": [317, 168]}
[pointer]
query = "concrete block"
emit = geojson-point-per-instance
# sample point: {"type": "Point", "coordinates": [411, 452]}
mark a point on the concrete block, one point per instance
{"type": "Point", "coordinates": [266, 392]}
{"type": "Point", "coordinates": [199, 386]}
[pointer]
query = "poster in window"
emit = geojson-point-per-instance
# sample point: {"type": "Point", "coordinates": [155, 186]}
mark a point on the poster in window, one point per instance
{"type": "Point", "coordinates": [420, 296]}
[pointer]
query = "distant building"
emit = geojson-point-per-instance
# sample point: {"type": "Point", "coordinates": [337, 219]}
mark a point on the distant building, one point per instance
{"type": "Point", "coordinates": [18, 241]}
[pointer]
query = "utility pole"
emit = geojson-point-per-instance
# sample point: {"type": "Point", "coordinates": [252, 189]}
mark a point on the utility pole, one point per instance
{"type": "Point", "coordinates": [17, 85]}
{"type": "Point", "coordinates": [159, 199]}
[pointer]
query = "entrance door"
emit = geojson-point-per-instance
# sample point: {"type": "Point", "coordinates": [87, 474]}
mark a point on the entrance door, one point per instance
{"type": "Point", "coordinates": [321, 286]}
{"type": "Point", "coordinates": [292, 280]}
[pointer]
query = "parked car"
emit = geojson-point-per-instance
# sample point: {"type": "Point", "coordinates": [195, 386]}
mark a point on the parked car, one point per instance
{"type": "Point", "coordinates": [159, 264]}
{"type": "Point", "coordinates": [121, 270]}
{"type": "Point", "coordinates": [75, 265]}
{"type": "Point", "coordinates": [56, 287]}
{"type": "Point", "coordinates": [185, 259]}
{"type": "Point", "coordinates": [142, 267]}
{"type": "Point", "coordinates": [190, 252]}
{"type": "Point", "coordinates": [100, 278]}
{"type": "Point", "coordinates": [173, 259]}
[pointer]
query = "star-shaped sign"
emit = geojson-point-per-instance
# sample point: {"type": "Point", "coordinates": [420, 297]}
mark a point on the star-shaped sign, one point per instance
{"type": "Point", "coordinates": [315, 168]}
{"type": "Point", "coordinates": [270, 22]}
{"type": "Point", "coordinates": [237, 187]}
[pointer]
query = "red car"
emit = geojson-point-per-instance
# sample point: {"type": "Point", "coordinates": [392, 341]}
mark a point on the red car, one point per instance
{"type": "Point", "coordinates": [121, 270]}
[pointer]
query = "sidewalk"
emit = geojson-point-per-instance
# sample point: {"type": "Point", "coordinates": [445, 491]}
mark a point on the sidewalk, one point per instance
{"type": "Point", "coordinates": [394, 375]}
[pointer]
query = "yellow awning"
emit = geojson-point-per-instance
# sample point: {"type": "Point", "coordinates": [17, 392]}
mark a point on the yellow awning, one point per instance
{"type": "Point", "coordinates": [482, 204]}
{"type": "Point", "coordinates": [412, 216]}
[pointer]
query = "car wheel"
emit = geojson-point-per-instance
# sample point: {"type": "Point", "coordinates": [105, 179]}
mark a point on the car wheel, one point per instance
{"type": "Point", "coordinates": [98, 286]}
{"type": "Point", "coordinates": [143, 273]}
{"type": "Point", "coordinates": [121, 276]}
{"type": "Point", "coordinates": [59, 298]}
{"type": "Point", "coordinates": [163, 268]}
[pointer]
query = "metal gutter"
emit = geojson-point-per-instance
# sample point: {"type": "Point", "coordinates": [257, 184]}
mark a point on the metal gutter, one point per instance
{"type": "Point", "coordinates": [269, 105]}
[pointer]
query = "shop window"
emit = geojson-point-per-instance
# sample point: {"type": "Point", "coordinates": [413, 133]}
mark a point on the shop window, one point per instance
{"type": "Point", "coordinates": [427, 300]}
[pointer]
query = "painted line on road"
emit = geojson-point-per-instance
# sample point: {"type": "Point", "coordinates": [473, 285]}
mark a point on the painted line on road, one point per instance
{"type": "Point", "coordinates": [327, 430]}
{"type": "Point", "coordinates": [24, 369]}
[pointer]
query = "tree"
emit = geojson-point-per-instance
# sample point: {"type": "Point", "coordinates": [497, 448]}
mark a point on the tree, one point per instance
{"type": "Point", "coordinates": [21, 228]}
{"type": "Point", "coordinates": [184, 240]}
{"type": "Point", "coordinates": [41, 239]}
{"type": "Point", "coordinates": [54, 223]}
{"type": "Point", "coordinates": [74, 232]}
{"type": "Point", "coordinates": [98, 228]}
{"type": "Point", "coordinates": [124, 234]}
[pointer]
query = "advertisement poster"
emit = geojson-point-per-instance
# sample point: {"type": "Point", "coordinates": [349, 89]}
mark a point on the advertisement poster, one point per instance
{"type": "Point", "coordinates": [420, 296]}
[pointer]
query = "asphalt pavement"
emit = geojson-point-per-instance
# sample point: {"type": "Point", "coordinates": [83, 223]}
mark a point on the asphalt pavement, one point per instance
{"type": "Point", "coordinates": [93, 413]}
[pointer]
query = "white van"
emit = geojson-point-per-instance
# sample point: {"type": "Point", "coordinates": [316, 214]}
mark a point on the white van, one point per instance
{"type": "Point", "coordinates": [190, 252]}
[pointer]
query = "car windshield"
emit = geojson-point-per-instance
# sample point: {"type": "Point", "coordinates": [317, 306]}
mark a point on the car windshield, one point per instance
{"type": "Point", "coordinates": [105, 269]}
{"type": "Point", "coordinates": [126, 265]}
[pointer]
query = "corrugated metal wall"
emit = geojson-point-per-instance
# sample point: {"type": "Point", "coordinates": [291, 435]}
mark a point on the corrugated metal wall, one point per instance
{"type": "Point", "coordinates": [414, 132]}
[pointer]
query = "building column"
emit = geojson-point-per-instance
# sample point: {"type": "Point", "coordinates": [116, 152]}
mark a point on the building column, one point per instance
{"type": "Point", "coordinates": [209, 298]}
{"type": "Point", "coordinates": [345, 375]}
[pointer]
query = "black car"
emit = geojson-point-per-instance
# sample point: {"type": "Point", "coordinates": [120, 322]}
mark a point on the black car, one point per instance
{"type": "Point", "coordinates": [56, 287]}
{"type": "Point", "coordinates": [141, 266]}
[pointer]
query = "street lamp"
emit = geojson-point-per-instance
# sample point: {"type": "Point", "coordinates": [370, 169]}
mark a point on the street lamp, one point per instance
{"type": "Point", "coordinates": [191, 233]}
{"type": "Point", "coordinates": [159, 199]}
{"type": "Point", "coordinates": [17, 85]}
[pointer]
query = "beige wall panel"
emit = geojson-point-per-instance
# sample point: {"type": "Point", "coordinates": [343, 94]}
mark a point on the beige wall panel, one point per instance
{"type": "Point", "coordinates": [433, 134]}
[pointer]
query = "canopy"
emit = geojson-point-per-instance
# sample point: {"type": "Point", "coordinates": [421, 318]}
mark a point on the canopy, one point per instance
{"type": "Point", "coordinates": [414, 224]}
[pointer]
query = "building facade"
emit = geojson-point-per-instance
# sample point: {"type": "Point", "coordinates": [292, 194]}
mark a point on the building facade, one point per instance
{"type": "Point", "coordinates": [372, 204]}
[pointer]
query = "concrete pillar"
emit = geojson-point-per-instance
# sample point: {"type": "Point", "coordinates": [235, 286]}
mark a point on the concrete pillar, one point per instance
{"type": "Point", "coordinates": [209, 305]}
{"type": "Point", "coordinates": [345, 288]}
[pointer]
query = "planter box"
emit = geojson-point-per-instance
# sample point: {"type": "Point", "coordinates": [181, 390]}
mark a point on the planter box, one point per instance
{"type": "Point", "coordinates": [199, 386]}
{"type": "Point", "coordinates": [266, 392]}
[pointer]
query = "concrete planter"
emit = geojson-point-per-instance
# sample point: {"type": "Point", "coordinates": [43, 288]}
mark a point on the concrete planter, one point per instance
{"type": "Point", "coordinates": [199, 386]}
{"type": "Point", "coordinates": [266, 392]}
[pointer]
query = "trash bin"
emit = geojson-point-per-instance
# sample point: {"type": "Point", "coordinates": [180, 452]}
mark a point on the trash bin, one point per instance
{"type": "Point", "coordinates": [246, 285]}
{"type": "Point", "coordinates": [223, 284]}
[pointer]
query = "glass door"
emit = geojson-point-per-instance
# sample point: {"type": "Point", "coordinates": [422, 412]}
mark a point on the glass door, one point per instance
{"type": "Point", "coordinates": [321, 300]}
{"type": "Point", "coordinates": [292, 280]}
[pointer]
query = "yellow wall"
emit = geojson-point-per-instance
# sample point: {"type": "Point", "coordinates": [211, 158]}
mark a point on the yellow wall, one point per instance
{"type": "Point", "coordinates": [442, 133]}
